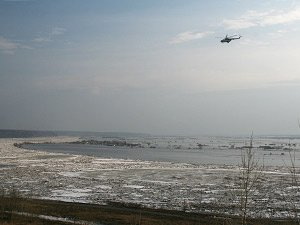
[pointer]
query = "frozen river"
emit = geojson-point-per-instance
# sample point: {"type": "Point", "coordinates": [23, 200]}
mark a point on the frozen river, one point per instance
{"type": "Point", "coordinates": [158, 179]}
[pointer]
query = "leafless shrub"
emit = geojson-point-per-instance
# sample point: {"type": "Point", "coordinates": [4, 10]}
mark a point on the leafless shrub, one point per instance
{"type": "Point", "coordinates": [250, 173]}
{"type": "Point", "coordinates": [243, 189]}
{"type": "Point", "coordinates": [291, 198]}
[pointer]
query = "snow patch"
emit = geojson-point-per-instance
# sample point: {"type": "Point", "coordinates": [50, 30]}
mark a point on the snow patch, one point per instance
{"type": "Point", "coordinates": [133, 186]}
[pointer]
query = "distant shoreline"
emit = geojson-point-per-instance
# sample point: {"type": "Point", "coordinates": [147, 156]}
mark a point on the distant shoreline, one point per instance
{"type": "Point", "coordinates": [23, 133]}
{"type": "Point", "coordinates": [13, 133]}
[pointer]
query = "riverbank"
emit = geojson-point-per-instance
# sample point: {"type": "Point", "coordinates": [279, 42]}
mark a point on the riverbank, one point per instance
{"type": "Point", "coordinates": [49, 212]}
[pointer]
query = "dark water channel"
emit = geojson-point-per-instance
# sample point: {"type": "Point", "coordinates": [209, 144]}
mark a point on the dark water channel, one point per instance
{"type": "Point", "coordinates": [194, 156]}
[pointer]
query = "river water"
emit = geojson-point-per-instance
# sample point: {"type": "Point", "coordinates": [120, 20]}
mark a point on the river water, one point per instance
{"type": "Point", "coordinates": [212, 150]}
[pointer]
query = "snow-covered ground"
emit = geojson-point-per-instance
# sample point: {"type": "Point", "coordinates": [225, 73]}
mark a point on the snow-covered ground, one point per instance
{"type": "Point", "coordinates": [77, 178]}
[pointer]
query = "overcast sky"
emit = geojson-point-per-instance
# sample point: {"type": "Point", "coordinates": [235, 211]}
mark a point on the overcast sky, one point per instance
{"type": "Point", "coordinates": [150, 66]}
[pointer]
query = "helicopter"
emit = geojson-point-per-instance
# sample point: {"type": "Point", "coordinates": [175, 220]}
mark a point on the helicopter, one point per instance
{"type": "Point", "coordinates": [228, 39]}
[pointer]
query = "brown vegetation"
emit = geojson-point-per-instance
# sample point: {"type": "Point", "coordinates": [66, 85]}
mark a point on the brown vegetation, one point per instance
{"type": "Point", "coordinates": [110, 214]}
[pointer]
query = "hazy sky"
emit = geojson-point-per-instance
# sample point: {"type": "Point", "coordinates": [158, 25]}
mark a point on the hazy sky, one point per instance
{"type": "Point", "coordinates": [150, 66]}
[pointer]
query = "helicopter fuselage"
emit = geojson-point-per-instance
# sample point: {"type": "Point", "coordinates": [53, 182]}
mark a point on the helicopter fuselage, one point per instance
{"type": "Point", "coordinates": [229, 39]}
